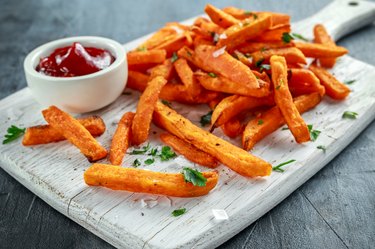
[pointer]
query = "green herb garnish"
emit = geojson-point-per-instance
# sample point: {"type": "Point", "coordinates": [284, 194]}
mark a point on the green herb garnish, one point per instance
{"type": "Point", "coordinates": [249, 13]}
{"type": "Point", "coordinates": [206, 119]}
{"type": "Point", "coordinates": [259, 62]}
{"type": "Point", "coordinates": [349, 82]}
{"type": "Point", "coordinates": [286, 37]}
{"type": "Point", "coordinates": [13, 133]}
{"type": "Point", "coordinates": [349, 115]}
{"type": "Point", "coordinates": [299, 36]}
{"type": "Point", "coordinates": [153, 152]}
{"type": "Point", "coordinates": [213, 75]}
{"type": "Point", "coordinates": [194, 176]}
{"type": "Point", "coordinates": [141, 151]}
{"type": "Point", "coordinates": [285, 128]}
{"type": "Point", "coordinates": [263, 49]}
{"type": "Point", "coordinates": [179, 212]}
{"type": "Point", "coordinates": [314, 134]}
{"type": "Point", "coordinates": [149, 161]}
{"type": "Point", "coordinates": [140, 49]}
{"type": "Point", "coordinates": [166, 102]}
{"type": "Point", "coordinates": [136, 163]}
{"type": "Point", "coordinates": [321, 147]}
{"type": "Point", "coordinates": [260, 122]}
{"type": "Point", "coordinates": [278, 167]}
{"type": "Point", "coordinates": [174, 57]}
{"type": "Point", "coordinates": [166, 153]}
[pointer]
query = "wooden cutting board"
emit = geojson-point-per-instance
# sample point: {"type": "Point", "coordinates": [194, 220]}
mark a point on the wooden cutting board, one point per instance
{"type": "Point", "coordinates": [54, 172]}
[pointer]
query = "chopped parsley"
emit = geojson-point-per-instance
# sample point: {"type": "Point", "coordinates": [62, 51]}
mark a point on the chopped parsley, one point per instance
{"type": "Point", "coordinates": [260, 122]}
{"type": "Point", "coordinates": [179, 212]}
{"type": "Point", "coordinates": [149, 161]}
{"type": "Point", "coordinates": [349, 82]}
{"type": "Point", "coordinates": [141, 151]}
{"type": "Point", "coordinates": [286, 37]}
{"type": "Point", "coordinates": [206, 119]}
{"type": "Point", "coordinates": [153, 152]}
{"type": "Point", "coordinates": [314, 134]}
{"type": "Point", "coordinates": [321, 147]}
{"type": "Point", "coordinates": [299, 36]}
{"type": "Point", "coordinates": [278, 167]}
{"type": "Point", "coordinates": [194, 176]}
{"type": "Point", "coordinates": [259, 62]}
{"type": "Point", "coordinates": [249, 13]}
{"type": "Point", "coordinates": [136, 163]}
{"type": "Point", "coordinates": [349, 115]}
{"type": "Point", "coordinates": [13, 133]}
{"type": "Point", "coordinates": [174, 57]}
{"type": "Point", "coordinates": [140, 49]}
{"type": "Point", "coordinates": [285, 128]}
{"type": "Point", "coordinates": [166, 102]}
{"type": "Point", "coordinates": [263, 49]}
{"type": "Point", "coordinates": [166, 153]}
{"type": "Point", "coordinates": [213, 75]}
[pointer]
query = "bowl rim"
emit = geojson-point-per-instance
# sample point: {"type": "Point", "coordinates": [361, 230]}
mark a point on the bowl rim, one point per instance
{"type": "Point", "coordinates": [115, 48]}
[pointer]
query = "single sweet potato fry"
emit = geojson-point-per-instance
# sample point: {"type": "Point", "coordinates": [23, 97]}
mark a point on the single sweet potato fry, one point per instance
{"type": "Point", "coordinates": [315, 50]}
{"type": "Point", "coordinates": [284, 100]}
{"type": "Point", "coordinates": [292, 55]}
{"type": "Point", "coordinates": [146, 57]}
{"type": "Point", "coordinates": [321, 36]}
{"type": "Point", "coordinates": [137, 81]}
{"type": "Point", "coordinates": [121, 139]}
{"type": "Point", "coordinates": [208, 59]}
{"type": "Point", "coordinates": [75, 132]}
{"type": "Point", "coordinates": [220, 17]}
{"type": "Point", "coordinates": [44, 134]}
{"type": "Point", "coordinates": [189, 151]}
{"type": "Point", "coordinates": [334, 88]}
{"type": "Point", "coordinates": [145, 108]}
{"type": "Point", "coordinates": [233, 105]}
{"type": "Point", "coordinates": [269, 121]}
{"type": "Point", "coordinates": [245, 30]}
{"type": "Point", "coordinates": [235, 158]}
{"type": "Point", "coordinates": [222, 84]}
{"type": "Point", "coordinates": [187, 77]}
{"type": "Point", "coordinates": [146, 181]}
{"type": "Point", "coordinates": [304, 81]}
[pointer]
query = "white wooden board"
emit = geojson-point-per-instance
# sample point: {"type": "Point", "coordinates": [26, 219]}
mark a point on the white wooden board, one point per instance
{"type": "Point", "coordinates": [54, 172]}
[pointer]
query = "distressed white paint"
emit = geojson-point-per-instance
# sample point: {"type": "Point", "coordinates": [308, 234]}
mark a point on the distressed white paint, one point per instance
{"type": "Point", "coordinates": [54, 172]}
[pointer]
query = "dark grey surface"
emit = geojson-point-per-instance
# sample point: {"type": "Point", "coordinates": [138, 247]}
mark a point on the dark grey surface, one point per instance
{"type": "Point", "coordinates": [334, 209]}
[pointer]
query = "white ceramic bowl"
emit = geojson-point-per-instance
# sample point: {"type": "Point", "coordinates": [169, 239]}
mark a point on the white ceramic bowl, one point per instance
{"type": "Point", "coordinates": [82, 93]}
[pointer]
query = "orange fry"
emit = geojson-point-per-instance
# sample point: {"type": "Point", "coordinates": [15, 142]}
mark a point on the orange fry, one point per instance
{"type": "Point", "coordinates": [75, 132]}
{"type": "Point", "coordinates": [137, 81]}
{"type": "Point", "coordinates": [233, 128]}
{"type": "Point", "coordinates": [334, 88]}
{"type": "Point", "coordinates": [272, 119]}
{"type": "Point", "coordinates": [304, 81]}
{"type": "Point", "coordinates": [284, 100]}
{"type": "Point", "coordinates": [121, 139]}
{"type": "Point", "coordinates": [220, 17]}
{"type": "Point", "coordinates": [245, 30]}
{"type": "Point", "coordinates": [315, 50]}
{"type": "Point", "coordinates": [292, 55]}
{"type": "Point", "coordinates": [44, 134]}
{"type": "Point", "coordinates": [186, 75]}
{"type": "Point", "coordinates": [174, 44]}
{"type": "Point", "coordinates": [145, 181]}
{"type": "Point", "coordinates": [145, 108]}
{"type": "Point", "coordinates": [146, 57]}
{"type": "Point", "coordinates": [189, 151]}
{"type": "Point", "coordinates": [233, 105]}
{"type": "Point", "coordinates": [228, 154]}
{"type": "Point", "coordinates": [222, 84]}
{"type": "Point", "coordinates": [321, 36]}
{"type": "Point", "coordinates": [273, 35]}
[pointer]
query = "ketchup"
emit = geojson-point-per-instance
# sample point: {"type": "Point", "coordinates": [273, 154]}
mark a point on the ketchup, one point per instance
{"type": "Point", "coordinates": [75, 60]}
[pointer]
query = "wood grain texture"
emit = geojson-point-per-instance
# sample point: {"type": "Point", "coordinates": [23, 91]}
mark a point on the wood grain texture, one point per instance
{"type": "Point", "coordinates": [319, 210]}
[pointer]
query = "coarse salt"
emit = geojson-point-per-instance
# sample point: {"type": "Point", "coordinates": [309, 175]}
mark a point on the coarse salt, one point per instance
{"type": "Point", "coordinates": [223, 36]}
{"type": "Point", "coordinates": [220, 214]}
{"type": "Point", "coordinates": [219, 52]}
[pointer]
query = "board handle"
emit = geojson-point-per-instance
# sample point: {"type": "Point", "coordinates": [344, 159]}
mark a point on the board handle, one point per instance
{"type": "Point", "coordinates": [341, 17]}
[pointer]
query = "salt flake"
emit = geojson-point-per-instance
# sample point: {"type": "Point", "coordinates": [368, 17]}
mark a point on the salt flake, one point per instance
{"type": "Point", "coordinates": [219, 52]}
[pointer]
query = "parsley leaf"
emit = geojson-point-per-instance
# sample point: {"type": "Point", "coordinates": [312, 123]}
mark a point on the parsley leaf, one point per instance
{"type": "Point", "coordinates": [153, 152]}
{"type": "Point", "coordinates": [349, 82]}
{"type": "Point", "coordinates": [166, 153]}
{"type": "Point", "coordinates": [278, 167]}
{"type": "Point", "coordinates": [13, 133]}
{"type": "Point", "coordinates": [260, 122]}
{"type": "Point", "coordinates": [321, 147]}
{"type": "Point", "coordinates": [249, 13]}
{"type": "Point", "coordinates": [314, 134]}
{"type": "Point", "coordinates": [149, 161]}
{"type": "Point", "coordinates": [284, 128]}
{"type": "Point", "coordinates": [206, 119]}
{"type": "Point", "coordinates": [299, 36]}
{"type": "Point", "coordinates": [179, 212]}
{"type": "Point", "coordinates": [141, 151]}
{"type": "Point", "coordinates": [166, 102]}
{"type": "Point", "coordinates": [349, 115]}
{"type": "Point", "coordinates": [174, 57]}
{"type": "Point", "coordinates": [213, 75]}
{"type": "Point", "coordinates": [136, 163]}
{"type": "Point", "coordinates": [194, 176]}
{"type": "Point", "coordinates": [286, 37]}
{"type": "Point", "coordinates": [140, 49]}
{"type": "Point", "coordinates": [259, 62]}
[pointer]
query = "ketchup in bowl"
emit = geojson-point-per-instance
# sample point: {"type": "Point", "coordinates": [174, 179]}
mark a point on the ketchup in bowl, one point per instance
{"type": "Point", "coordinates": [75, 60]}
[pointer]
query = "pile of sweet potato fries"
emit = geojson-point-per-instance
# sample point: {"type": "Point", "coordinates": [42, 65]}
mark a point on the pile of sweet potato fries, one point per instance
{"type": "Point", "coordinates": [249, 69]}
